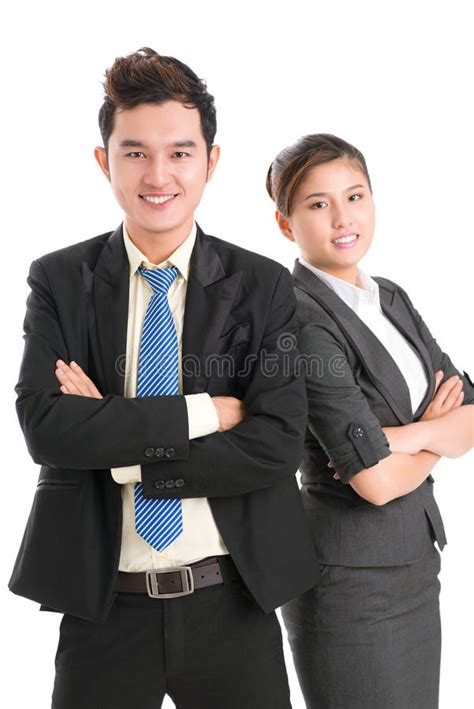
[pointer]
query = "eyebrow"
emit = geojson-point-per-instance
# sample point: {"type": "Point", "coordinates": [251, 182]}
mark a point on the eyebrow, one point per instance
{"type": "Point", "coordinates": [129, 143]}
{"type": "Point", "coordinates": [324, 194]}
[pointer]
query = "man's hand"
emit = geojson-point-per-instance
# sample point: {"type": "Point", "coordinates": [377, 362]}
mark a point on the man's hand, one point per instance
{"type": "Point", "coordinates": [447, 397]}
{"type": "Point", "coordinates": [74, 381]}
{"type": "Point", "coordinates": [230, 411]}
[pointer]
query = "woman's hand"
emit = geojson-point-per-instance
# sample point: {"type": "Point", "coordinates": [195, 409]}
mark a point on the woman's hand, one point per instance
{"type": "Point", "coordinates": [74, 381]}
{"type": "Point", "coordinates": [414, 437]}
{"type": "Point", "coordinates": [447, 396]}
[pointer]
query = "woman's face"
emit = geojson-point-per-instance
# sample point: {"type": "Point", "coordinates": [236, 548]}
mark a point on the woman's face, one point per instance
{"type": "Point", "coordinates": [332, 218]}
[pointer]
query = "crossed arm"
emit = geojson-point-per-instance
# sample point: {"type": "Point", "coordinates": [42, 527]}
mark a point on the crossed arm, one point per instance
{"type": "Point", "coordinates": [74, 380]}
{"type": "Point", "coordinates": [382, 464]}
{"type": "Point", "coordinates": [445, 429]}
{"type": "Point", "coordinates": [89, 431]}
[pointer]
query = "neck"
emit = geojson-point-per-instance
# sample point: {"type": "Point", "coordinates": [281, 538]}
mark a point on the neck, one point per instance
{"type": "Point", "coordinates": [158, 246]}
{"type": "Point", "coordinates": [347, 273]}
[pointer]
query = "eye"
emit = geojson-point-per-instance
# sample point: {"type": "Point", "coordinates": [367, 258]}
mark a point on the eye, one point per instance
{"type": "Point", "coordinates": [355, 197]}
{"type": "Point", "coordinates": [319, 205]}
{"type": "Point", "coordinates": [180, 154]}
{"type": "Point", "coordinates": [134, 154]}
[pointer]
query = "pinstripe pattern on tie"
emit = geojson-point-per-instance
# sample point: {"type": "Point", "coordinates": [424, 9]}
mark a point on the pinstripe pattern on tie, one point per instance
{"type": "Point", "coordinates": [158, 521]}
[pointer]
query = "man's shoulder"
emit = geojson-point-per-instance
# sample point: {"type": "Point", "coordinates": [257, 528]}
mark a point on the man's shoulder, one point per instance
{"type": "Point", "coordinates": [236, 257]}
{"type": "Point", "coordinates": [86, 250]}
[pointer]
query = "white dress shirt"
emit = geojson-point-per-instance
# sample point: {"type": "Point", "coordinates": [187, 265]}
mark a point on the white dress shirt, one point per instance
{"type": "Point", "coordinates": [364, 299]}
{"type": "Point", "coordinates": [200, 537]}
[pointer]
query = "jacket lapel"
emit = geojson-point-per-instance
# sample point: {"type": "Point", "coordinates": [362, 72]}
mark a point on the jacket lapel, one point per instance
{"type": "Point", "coordinates": [107, 289]}
{"type": "Point", "coordinates": [377, 361]}
{"type": "Point", "coordinates": [398, 312]}
{"type": "Point", "coordinates": [209, 298]}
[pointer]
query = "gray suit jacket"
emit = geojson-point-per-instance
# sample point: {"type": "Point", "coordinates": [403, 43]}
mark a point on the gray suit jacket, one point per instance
{"type": "Point", "coordinates": [354, 389]}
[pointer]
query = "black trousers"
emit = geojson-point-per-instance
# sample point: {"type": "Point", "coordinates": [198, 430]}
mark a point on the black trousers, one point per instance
{"type": "Point", "coordinates": [212, 649]}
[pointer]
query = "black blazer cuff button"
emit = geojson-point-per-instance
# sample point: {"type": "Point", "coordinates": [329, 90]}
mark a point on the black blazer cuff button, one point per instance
{"type": "Point", "coordinates": [363, 445]}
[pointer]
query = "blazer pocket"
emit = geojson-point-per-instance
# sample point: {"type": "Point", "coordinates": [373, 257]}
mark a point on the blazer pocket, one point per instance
{"type": "Point", "coordinates": [237, 335]}
{"type": "Point", "coordinates": [56, 484]}
{"type": "Point", "coordinates": [323, 569]}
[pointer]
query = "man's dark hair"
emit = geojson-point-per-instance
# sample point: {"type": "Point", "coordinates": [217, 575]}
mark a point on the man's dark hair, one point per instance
{"type": "Point", "coordinates": [147, 77]}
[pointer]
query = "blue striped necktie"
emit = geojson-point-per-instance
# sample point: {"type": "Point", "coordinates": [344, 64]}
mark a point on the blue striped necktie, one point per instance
{"type": "Point", "coordinates": [158, 521]}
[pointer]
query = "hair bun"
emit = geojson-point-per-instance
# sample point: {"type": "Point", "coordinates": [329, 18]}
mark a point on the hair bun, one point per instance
{"type": "Point", "coordinates": [269, 181]}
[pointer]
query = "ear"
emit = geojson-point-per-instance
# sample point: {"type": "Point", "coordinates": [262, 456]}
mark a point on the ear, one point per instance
{"type": "Point", "coordinates": [213, 160]}
{"type": "Point", "coordinates": [284, 225]}
{"type": "Point", "coordinates": [101, 157]}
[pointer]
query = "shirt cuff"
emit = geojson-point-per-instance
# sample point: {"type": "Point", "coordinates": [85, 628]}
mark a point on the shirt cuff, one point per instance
{"type": "Point", "coordinates": [202, 415]}
{"type": "Point", "coordinates": [129, 474]}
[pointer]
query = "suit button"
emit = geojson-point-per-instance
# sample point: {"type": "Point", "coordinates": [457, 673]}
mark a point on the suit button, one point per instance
{"type": "Point", "coordinates": [159, 452]}
{"type": "Point", "coordinates": [358, 432]}
{"type": "Point", "coordinates": [180, 483]}
{"type": "Point", "coordinates": [149, 452]}
{"type": "Point", "coordinates": [170, 483]}
{"type": "Point", "coordinates": [170, 452]}
{"type": "Point", "coordinates": [159, 484]}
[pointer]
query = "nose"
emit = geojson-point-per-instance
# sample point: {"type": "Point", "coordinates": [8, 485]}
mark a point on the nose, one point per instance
{"type": "Point", "coordinates": [341, 217]}
{"type": "Point", "coordinates": [158, 172]}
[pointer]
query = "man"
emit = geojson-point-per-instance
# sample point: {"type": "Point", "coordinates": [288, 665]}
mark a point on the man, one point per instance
{"type": "Point", "coordinates": [157, 391]}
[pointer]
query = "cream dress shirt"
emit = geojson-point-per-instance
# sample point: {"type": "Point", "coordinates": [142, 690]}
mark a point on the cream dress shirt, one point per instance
{"type": "Point", "coordinates": [200, 536]}
{"type": "Point", "coordinates": [364, 299]}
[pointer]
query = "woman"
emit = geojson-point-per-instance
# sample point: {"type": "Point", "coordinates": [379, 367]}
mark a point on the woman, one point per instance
{"type": "Point", "coordinates": [384, 404]}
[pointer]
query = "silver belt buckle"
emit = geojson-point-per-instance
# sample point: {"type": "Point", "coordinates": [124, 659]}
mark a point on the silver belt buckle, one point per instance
{"type": "Point", "coordinates": [187, 581]}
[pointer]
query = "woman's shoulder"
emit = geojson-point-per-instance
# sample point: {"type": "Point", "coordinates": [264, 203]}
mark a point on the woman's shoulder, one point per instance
{"type": "Point", "coordinates": [392, 286]}
{"type": "Point", "coordinates": [389, 284]}
{"type": "Point", "coordinates": [306, 306]}
{"type": "Point", "coordinates": [312, 317]}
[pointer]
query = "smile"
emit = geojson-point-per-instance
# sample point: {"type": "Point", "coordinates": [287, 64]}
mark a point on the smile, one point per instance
{"type": "Point", "coordinates": [158, 200]}
{"type": "Point", "coordinates": [349, 239]}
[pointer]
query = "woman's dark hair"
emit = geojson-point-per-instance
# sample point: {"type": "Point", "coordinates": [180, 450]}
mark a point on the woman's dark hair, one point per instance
{"type": "Point", "coordinates": [292, 165]}
{"type": "Point", "coordinates": [147, 77]}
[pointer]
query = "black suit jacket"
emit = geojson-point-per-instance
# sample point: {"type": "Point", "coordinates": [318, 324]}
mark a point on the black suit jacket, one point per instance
{"type": "Point", "coordinates": [239, 309]}
{"type": "Point", "coordinates": [354, 389]}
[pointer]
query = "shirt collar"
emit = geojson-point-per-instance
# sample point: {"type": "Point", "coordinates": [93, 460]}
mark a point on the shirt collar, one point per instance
{"type": "Point", "coordinates": [180, 258]}
{"type": "Point", "coordinates": [366, 288]}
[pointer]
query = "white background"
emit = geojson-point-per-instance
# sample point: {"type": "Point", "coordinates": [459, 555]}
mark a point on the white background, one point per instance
{"type": "Point", "coordinates": [395, 81]}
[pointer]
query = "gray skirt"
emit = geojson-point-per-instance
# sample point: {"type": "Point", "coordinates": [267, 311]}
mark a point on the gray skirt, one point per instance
{"type": "Point", "coordinates": [369, 638]}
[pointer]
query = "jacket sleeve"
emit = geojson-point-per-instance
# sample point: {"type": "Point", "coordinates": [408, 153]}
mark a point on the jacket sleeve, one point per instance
{"type": "Point", "coordinates": [339, 415]}
{"type": "Point", "coordinates": [266, 448]}
{"type": "Point", "coordinates": [439, 359]}
{"type": "Point", "coordinates": [66, 431]}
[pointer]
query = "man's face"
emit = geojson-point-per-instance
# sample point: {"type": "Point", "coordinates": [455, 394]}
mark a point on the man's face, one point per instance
{"type": "Point", "coordinates": [157, 166]}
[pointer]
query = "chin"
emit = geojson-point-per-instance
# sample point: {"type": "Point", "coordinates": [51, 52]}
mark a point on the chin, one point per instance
{"type": "Point", "coordinates": [161, 225]}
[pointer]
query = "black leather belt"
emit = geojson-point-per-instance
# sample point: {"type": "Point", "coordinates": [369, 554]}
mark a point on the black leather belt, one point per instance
{"type": "Point", "coordinates": [179, 580]}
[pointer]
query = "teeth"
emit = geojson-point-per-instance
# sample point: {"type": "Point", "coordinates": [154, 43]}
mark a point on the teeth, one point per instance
{"type": "Point", "coordinates": [158, 200]}
{"type": "Point", "coordinates": [345, 239]}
